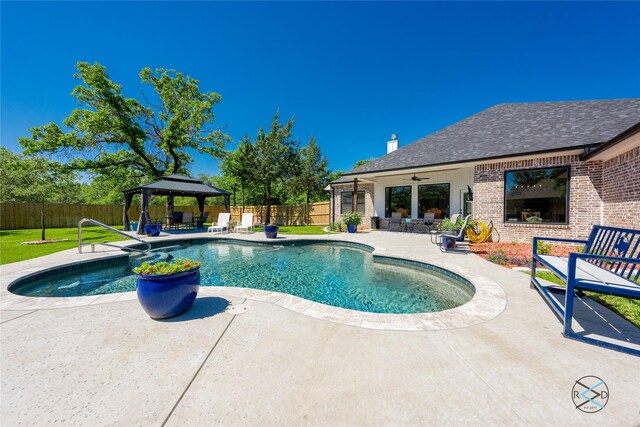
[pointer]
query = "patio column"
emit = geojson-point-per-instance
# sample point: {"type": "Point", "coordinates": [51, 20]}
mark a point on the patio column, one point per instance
{"type": "Point", "coordinates": [354, 205]}
{"type": "Point", "coordinates": [128, 198]}
{"type": "Point", "coordinates": [200, 200]}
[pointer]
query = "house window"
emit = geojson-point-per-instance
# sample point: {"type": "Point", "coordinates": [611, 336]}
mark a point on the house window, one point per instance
{"type": "Point", "coordinates": [434, 198]}
{"type": "Point", "coordinates": [346, 202]}
{"type": "Point", "coordinates": [537, 195]}
{"type": "Point", "coordinates": [397, 199]}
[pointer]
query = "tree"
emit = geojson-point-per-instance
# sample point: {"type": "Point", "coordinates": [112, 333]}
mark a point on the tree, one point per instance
{"type": "Point", "coordinates": [359, 163]}
{"type": "Point", "coordinates": [313, 175]}
{"type": "Point", "coordinates": [276, 155]}
{"type": "Point", "coordinates": [36, 180]}
{"type": "Point", "coordinates": [110, 133]}
{"type": "Point", "coordinates": [241, 165]}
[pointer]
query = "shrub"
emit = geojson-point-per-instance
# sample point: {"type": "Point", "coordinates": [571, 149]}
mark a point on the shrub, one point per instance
{"type": "Point", "coordinates": [544, 248]}
{"type": "Point", "coordinates": [166, 268]}
{"type": "Point", "coordinates": [501, 258]}
{"type": "Point", "coordinates": [448, 225]}
{"type": "Point", "coordinates": [335, 226]}
{"type": "Point", "coordinates": [352, 218]}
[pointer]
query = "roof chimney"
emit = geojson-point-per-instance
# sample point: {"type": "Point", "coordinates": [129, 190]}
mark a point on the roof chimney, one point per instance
{"type": "Point", "coordinates": [392, 144]}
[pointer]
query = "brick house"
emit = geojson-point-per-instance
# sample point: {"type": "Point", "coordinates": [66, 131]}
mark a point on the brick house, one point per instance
{"type": "Point", "coordinates": [547, 169]}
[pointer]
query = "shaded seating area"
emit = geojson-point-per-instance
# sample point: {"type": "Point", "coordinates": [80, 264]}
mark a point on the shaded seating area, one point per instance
{"type": "Point", "coordinates": [180, 220]}
{"type": "Point", "coordinates": [173, 185]}
{"type": "Point", "coordinates": [608, 264]}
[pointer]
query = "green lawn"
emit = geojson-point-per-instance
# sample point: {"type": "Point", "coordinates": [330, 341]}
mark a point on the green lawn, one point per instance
{"type": "Point", "coordinates": [11, 249]}
{"type": "Point", "coordinates": [626, 307]}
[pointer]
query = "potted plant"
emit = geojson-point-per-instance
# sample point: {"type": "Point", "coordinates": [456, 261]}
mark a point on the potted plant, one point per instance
{"type": "Point", "coordinates": [167, 289]}
{"type": "Point", "coordinates": [353, 220]}
{"type": "Point", "coordinates": [271, 231]}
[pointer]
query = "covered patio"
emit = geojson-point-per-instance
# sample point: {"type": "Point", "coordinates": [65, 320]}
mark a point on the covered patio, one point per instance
{"type": "Point", "coordinates": [170, 185]}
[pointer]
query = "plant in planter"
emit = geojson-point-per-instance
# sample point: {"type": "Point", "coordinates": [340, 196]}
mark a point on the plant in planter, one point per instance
{"type": "Point", "coordinates": [167, 289]}
{"type": "Point", "coordinates": [534, 219]}
{"type": "Point", "coordinates": [353, 220]}
{"type": "Point", "coordinates": [453, 228]}
{"type": "Point", "coordinates": [271, 231]}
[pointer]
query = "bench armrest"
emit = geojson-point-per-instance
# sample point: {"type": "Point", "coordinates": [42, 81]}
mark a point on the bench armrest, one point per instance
{"type": "Point", "coordinates": [553, 239]}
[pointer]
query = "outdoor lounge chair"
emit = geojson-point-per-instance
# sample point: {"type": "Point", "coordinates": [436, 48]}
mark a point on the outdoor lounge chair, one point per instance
{"type": "Point", "coordinates": [246, 223]}
{"type": "Point", "coordinates": [222, 224]}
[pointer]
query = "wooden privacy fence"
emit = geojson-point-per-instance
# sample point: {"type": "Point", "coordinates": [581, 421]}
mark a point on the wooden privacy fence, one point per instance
{"type": "Point", "coordinates": [15, 216]}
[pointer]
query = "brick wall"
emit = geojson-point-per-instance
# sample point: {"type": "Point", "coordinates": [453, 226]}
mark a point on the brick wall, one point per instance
{"type": "Point", "coordinates": [585, 198]}
{"type": "Point", "coordinates": [368, 202]}
{"type": "Point", "coordinates": [621, 190]}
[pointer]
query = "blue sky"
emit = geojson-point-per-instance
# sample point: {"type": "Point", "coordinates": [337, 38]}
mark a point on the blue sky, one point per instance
{"type": "Point", "coordinates": [351, 72]}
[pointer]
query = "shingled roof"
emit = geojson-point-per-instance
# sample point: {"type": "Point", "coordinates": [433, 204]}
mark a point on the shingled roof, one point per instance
{"type": "Point", "coordinates": [506, 130]}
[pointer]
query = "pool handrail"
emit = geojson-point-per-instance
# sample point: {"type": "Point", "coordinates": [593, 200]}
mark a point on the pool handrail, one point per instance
{"type": "Point", "coordinates": [98, 223]}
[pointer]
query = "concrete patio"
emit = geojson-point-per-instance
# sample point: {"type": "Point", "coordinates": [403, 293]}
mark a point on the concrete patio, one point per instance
{"type": "Point", "coordinates": [103, 361]}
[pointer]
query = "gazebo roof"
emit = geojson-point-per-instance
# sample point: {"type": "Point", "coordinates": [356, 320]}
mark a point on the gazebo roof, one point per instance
{"type": "Point", "coordinates": [179, 185]}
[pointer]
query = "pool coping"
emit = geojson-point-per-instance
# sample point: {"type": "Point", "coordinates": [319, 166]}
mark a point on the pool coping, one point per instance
{"type": "Point", "coordinates": [488, 302]}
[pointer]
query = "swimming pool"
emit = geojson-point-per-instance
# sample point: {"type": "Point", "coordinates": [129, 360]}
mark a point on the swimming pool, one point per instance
{"type": "Point", "coordinates": [334, 273]}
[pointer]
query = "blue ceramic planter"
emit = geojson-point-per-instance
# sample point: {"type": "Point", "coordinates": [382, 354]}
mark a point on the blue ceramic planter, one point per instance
{"type": "Point", "coordinates": [164, 296]}
{"type": "Point", "coordinates": [271, 231]}
{"type": "Point", "coordinates": [351, 228]}
{"type": "Point", "coordinates": [152, 230]}
{"type": "Point", "coordinates": [448, 241]}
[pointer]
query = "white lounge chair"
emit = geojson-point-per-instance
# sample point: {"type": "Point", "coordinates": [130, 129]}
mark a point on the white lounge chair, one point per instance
{"type": "Point", "coordinates": [246, 224]}
{"type": "Point", "coordinates": [222, 224]}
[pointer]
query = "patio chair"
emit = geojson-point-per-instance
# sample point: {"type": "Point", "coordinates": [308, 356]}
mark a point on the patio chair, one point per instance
{"type": "Point", "coordinates": [428, 219]}
{"type": "Point", "coordinates": [246, 223]}
{"type": "Point", "coordinates": [395, 221]}
{"type": "Point", "coordinates": [187, 220]}
{"type": "Point", "coordinates": [201, 219]}
{"type": "Point", "coordinates": [222, 224]}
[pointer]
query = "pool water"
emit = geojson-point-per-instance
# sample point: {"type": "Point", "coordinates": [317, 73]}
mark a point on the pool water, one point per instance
{"type": "Point", "coordinates": [327, 273]}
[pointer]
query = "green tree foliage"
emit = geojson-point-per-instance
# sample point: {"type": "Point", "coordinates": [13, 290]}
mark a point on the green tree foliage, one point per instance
{"type": "Point", "coordinates": [362, 162]}
{"type": "Point", "coordinates": [240, 166]}
{"type": "Point", "coordinates": [110, 133]}
{"type": "Point", "coordinates": [277, 160]}
{"type": "Point", "coordinates": [313, 175]}
{"type": "Point", "coordinates": [36, 180]}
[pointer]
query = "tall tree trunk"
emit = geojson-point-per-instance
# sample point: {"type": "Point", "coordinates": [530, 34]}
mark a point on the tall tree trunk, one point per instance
{"type": "Point", "coordinates": [242, 189]}
{"type": "Point", "coordinates": [42, 220]}
{"type": "Point", "coordinates": [169, 210]}
{"type": "Point", "coordinates": [306, 210]}
{"type": "Point", "coordinates": [267, 202]}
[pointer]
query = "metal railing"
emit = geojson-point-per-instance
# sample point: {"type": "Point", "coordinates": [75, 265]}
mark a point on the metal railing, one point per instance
{"type": "Point", "coordinates": [98, 223]}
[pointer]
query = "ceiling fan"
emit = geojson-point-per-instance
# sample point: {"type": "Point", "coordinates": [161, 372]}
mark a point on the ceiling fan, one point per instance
{"type": "Point", "coordinates": [416, 178]}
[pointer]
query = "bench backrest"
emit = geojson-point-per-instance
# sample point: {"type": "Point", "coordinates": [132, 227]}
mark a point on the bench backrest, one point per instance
{"type": "Point", "coordinates": [617, 243]}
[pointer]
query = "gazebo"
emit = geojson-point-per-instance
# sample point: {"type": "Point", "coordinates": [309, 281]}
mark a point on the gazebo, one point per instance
{"type": "Point", "coordinates": [170, 185]}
